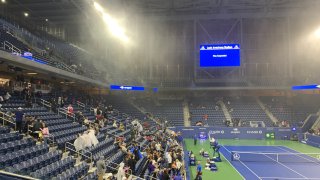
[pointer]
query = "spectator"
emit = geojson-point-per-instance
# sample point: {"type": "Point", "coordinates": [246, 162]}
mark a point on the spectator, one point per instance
{"type": "Point", "coordinates": [121, 174]}
{"type": "Point", "coordinates": [37, 128]}
{"type": "Point", "coordinates": [131, 163]}
{"type": "Point", "coordinates": [165, 175]}
{"type": "Point", "coordinates": [178, 165]}
{"type": "Point", "coordinates": [19, 119]}
{"type": "Point", "coordinates": [45, 133]}
{"type": "Point", "coordinates": [151, 167]}
{"type": "Point", "coordinates": [199, 171]}
{"type": "Point", "coordinates": [101, 168]}
{"type": "Point", "coordinates": [115, 124]}
{"type": "Point", "coordinates": [29, 121]}
{"type": "Point", "coordinates": [70, 109]}
{"type": "Point", "coordinates": [177, 177]}
{"type": "Point", "coordinates": [7, 97]}
{"type": "Point", "coordinates": [121, 127]}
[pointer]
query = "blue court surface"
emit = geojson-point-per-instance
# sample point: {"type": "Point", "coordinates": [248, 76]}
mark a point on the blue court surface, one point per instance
{"type": "Point", "coordinates": [272, 162]}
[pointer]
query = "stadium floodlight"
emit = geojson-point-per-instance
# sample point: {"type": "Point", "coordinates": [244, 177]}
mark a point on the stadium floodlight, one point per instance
{"type": "Point", "coordinates": [111, 23]}
{"type": "Point", "coordinates": [3, 1]}
{"type": "Point", "coordinates": [98, 7]}
{"type": "Point", "coordinates": [114, 28]}
{"type": "Point", "coordinates": [317, 33]}
{"type": "Point", "coordinates": [26, 14]}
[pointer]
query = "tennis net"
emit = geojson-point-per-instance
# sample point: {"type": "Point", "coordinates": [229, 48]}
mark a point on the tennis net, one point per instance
{"type": "Point", "coordinates": [275, 157]}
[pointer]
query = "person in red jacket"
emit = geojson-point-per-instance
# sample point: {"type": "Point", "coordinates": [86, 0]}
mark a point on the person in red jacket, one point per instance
{"type": "Point", "coordinates": [70, 109]}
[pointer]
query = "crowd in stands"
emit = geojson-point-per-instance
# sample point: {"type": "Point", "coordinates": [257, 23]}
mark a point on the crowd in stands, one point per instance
{"type": "Point", "coordinates": [162, 155]}
{"type": "Point", "coordinates": [314, 131]}
{"type": "Point", "coordinates": [165, 156]}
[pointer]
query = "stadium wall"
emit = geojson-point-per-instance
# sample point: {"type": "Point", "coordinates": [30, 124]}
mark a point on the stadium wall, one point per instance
{"type": "Point", "coordinates": [310, 139]}
{"type": "Point", "coordinates": [237, 132]}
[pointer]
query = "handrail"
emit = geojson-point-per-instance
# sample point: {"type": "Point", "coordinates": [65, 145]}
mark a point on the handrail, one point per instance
{"type": "Point", "coordinates": [11, 47]}
{"type": "Point", "coordinates": [51, 138]}
{"type": "Point", "coordinates": [80, 104]}
{"type": "Point", "coordinates": [80, 152]}
{"type": "Point", "coordinates": [17, 175]}
{"type": "Point", "coordinates": [65, 112]}
{"type": "Point", "coordinates": [92, 110]}
{"type": "Point", "coordinates": [117, 136]}
{"type": "Point", "coordinates": [5, 117]}
{"type": "Point", "coordinates": [111, 162]}
{"type": "Point", "coordinates": [45, 103]}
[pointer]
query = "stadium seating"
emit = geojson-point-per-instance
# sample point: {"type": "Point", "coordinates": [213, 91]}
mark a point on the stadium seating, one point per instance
{"type": "Point", "coordinates": [123, 105]}
{"type": "Point", "coordinates": [170, 110]}
{"type": "Point", "coordinates": [200, 107]}
{"type": "Point", "coordinates": [295, 114]}
{"type": "Point", "coordinates": [247, 109]}
{"type": "Point", "coordinates": [60, 53]}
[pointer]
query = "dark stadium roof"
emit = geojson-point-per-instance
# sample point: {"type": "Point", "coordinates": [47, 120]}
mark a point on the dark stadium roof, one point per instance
{"type": "Point", "coordinates": [56, 11]}
{"type": "Point", "coordinates": [68, 11]}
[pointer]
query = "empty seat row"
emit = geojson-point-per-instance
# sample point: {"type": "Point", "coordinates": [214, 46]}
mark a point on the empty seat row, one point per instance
{"type": "Point", "coordinates": [113, 160]}
{"type": "Point", "coordinates": [74, 173]}
{"type": "Point", "coordinates": [31, 165]}
{"type": "Point", "coordinates": [54, 169]}
{"type": "Point", "coordinates": [104, 152]}
{"type": "Point", "coordinates": [16, 145]}
{"type": "Point", "coordinates": [50, 117]}
{"type": "Point", "coordinates": [4, 130]}
{"type": "Point", "coordinates": [140, 164]}
{"type": "Point", "coordinates": [68, 132]}
{"type": "Point", "coordinates": [39, 113]}
{"type": "Point", "coordinates": [36, 109]}
{"type": "Point", "coordinates": [10, 137]}
{"type": "Point", "coordinates": [57, 122]}
{"type": "Point", "coordinates": [101, 137]}
{"type": "Point", "coordinates": [91, 176]}
{"type": "Point", "coordinates": [100, 146]}
{"type": "Point", "coordinates": [61, 141]}
{"type": "Point", "coordinates": [22, 155]}
{"type": "Point", "coordinates": [106, 128]}
{"type": "Point", "coordinates": [12, 105]}
{"type": "Point", "coordinates": [63, 127]}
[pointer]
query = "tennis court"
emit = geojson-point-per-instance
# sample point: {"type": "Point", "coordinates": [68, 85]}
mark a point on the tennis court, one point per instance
{"type": "Point", "coordinates": [272, 162]}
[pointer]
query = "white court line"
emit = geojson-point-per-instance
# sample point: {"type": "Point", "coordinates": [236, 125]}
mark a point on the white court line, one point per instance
{"type": "Point", "coordinates": [287, 167]}
{"type": "Point", "coordinates": [243, 165]}
{"type": "Point", "coordinates": [231, 164]}
{"type": "Point", "coordinates": [298, 155]}
{"type": "Point", "coordinates": [285, 178]}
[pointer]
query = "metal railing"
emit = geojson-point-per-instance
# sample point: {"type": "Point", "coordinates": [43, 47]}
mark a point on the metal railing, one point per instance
{"type": "Point", "coordinates": [51, 139]}
{"type": "Point", "coordinates": [64, 111]}
{"type": "Point", "coordinates": [81, 152]}
{"type": "Point", "coordinates": [45, 103]}
{"type": "Point", "coordinates": [11, 47]}
{"type": "Point", "coordinates": [92, 110]}
{"type": "Point", "coordinates": [80, 104]}
{"type": "Point", "coordinates": [130, 174]}
{"type": "Point", "coordinates": [10, 175]}
{"type": "Point", "coordinates": [6, 118]}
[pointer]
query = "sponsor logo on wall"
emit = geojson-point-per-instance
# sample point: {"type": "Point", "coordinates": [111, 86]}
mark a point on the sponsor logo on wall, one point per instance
{"type": "Point", "coordinates": [254, 132]}
{"type": "Point", "coordinates": [235, 131]}
{"type": "Point", "coordinates": [216, 132]}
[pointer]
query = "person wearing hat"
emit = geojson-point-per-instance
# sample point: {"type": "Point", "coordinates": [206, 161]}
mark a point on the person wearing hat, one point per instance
{"type": "Point", "coordinates": [19, 118]}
